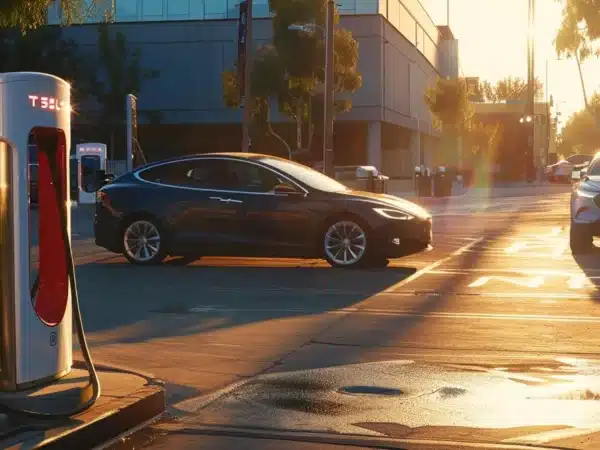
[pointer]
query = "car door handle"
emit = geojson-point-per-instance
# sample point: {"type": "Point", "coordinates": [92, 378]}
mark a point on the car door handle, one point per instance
{"type": "Point", "coordinates": [226, 200]}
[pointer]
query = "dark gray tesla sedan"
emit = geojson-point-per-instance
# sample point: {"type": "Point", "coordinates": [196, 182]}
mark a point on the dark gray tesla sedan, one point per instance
{"type": "Point", "coordinates": [240, 204]}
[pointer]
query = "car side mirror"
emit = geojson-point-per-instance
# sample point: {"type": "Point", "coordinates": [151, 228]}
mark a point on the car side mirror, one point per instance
{"type": "Point", "coordinates": [286, 189]}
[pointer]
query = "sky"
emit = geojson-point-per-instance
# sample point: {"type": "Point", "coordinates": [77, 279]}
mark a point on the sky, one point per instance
{"type": "Point", "coordinates": [492, 38]}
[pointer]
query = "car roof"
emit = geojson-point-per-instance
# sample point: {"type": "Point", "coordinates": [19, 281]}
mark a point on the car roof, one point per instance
{"type": "Point", "coordinates": [235, 155]}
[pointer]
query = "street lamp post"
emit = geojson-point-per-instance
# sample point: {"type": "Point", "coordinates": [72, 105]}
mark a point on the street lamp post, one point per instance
{"type": "Point", "coordinates": [329, 98]}
{"type": "Point", "coordinates": [328, 104]}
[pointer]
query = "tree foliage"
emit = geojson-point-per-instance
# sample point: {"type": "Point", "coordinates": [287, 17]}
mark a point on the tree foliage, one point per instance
{"type": "Point", "coordinates": [580, 28]}
{"type": "Point", "coordinates": [43, 50]}
{"type": "Point", "coordinates": [449, 103]}
{"type": "Point", "coordinates": [481, 140]}
{"type": "Point", "coordinates": [30, 14]}
{"type": "Point", "coordinates": [509, 88]}
{"type": "Point", "coordinates": [116, 73]}
{"type": "Point", "coordinates": [581, 134]}
{"type": "Point", "coordinates": [287, 72]}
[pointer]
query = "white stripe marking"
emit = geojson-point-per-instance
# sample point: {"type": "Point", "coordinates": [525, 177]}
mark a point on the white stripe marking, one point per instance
{"type": "Point", "coordinates": [405, 313]}
{"type": "Point", "coordinates": [435, 265]}
{"type": "Point", "coordinates": [548, 436]}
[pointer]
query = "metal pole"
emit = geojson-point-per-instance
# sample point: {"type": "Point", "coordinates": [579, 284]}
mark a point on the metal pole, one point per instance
{"type": "Point", "coordinates": [530, 158]}
{"type": "Point", "coordinates": [329, 92]}
{"type": "Point", "coordinates": [448, 13]}
{"type": "Point", "coordinates": [585, 98]}
{"type": "Point", "coordinates": [247, 80]}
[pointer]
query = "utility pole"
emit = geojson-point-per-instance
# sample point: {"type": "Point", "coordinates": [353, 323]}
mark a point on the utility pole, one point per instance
{"type": "Point", "coordinates": [247, 80]}
{"type": "Point", "coordinates": [585, 97]}
{"type": "Point", "coordinates": [329, 92]}
{"type": "Point", "coordinates": [530, 109]}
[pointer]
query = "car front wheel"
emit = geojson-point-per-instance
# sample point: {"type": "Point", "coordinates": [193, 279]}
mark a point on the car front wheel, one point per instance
{"type": "Point", "coordinates": [581, 239]}
{"type": "Point", "coordinates": [346, 244]}
{"type": "Point", "coordinates": [143, 242]}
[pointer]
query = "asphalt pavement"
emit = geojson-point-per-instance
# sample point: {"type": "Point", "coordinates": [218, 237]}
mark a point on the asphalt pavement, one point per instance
{"type": "Point", "coordinates": [488, 339]}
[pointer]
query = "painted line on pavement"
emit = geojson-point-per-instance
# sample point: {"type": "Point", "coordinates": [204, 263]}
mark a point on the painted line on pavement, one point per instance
{"type": "Point", "coordinates": [433, 266]}
{"type": "Point", "coordinates": [405, 313]}
{"type": "Point", "coordinates": [553, 435]}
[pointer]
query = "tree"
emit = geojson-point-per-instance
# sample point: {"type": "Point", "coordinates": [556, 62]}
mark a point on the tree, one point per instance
{"type": "Point", "coordinates": [115, 74]}
{"type": "Point", "coordinates": [509, 88]}
{"type": "Point", "coordinates": [287, 72]}
{"type": "Point", "coordinates": [481, 141]}
{"type": "Point", "coordinates": [29, 14]}
{"type": "Point", "coordinates": [580, 134]}
{"type": "Point", "coordinates": [580, 28]}
{"type": "Point", "coordinates": [449, 103]}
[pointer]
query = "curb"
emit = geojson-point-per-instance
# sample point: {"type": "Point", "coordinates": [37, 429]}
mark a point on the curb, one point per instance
{"type": "Point", "coordinates": [149, 404]}
{"type": "Point", "coordinates": [100, 425]}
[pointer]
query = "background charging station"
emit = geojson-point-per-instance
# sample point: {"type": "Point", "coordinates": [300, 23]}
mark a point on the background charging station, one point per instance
{"type": "Point", "coordinates": [35, 296]}
{"type": "Point", "coordinates": [91, 158]}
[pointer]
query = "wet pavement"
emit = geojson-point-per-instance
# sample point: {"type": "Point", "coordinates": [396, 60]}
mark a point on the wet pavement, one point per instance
{"type": "Point", "coordinates": [488, 338]}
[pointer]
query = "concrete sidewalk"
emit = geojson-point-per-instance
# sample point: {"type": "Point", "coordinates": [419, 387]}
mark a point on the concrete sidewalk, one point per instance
{"type": "Point", "coordinates": [129, 400]}
{"type": "Point", "coordinates": [506, 190]}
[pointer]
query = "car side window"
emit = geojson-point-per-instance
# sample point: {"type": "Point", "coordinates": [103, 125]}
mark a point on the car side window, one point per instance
{"type": "Point", "coordinates": [250, 177]}
{"type": "Point", "coordinates": [209, 174]}
{"type": "Point", "coordinates": [173, 173]}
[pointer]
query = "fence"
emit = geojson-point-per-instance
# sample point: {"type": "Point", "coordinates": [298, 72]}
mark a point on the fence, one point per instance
{"type": "Point", "coordinates": [116, 167]}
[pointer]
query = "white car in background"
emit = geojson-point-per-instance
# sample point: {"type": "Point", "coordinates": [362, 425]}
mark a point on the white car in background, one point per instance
{"type": "Point", "coordinates": [585, 209]}
{"type": "Point", "coordinates": [564, 170]}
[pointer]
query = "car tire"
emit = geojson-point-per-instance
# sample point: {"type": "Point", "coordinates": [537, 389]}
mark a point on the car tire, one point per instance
{"type": "Point", "coordinates": [581, 239]}
{"type": "Point", "coordinates": [346, 243]}
{"type": "Point", "coordinates": [143, 241]}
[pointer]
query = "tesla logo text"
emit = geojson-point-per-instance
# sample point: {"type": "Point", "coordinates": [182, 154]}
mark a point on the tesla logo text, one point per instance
{"type": "Point", "coordinates": [44, 102]}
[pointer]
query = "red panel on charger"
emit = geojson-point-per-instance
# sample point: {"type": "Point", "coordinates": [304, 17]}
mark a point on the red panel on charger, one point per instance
{"type": "Point", "coordinates": [50, 303]}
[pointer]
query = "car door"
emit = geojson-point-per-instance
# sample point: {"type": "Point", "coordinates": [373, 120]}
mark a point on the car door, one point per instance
{"type": "Point", "coordinates": [272, 224]}
{"type": "Point", "coordinates": [199, 217]}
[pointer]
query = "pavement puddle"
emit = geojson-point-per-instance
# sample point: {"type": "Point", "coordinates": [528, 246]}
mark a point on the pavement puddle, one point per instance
{"type": "Point", "coordinates": [407, 398]}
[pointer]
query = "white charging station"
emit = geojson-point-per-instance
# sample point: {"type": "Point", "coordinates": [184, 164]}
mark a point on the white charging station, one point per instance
{"type": "Point", "coordinates": [36, 314]}
{"type": "Point", "coordinates": [91, 158]}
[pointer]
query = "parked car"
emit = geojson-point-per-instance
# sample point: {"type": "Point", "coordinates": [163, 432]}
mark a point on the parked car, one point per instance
{"type": "Point", "coordinates": [240, 204]}
{"type": "Point", "coordinates": [562, 171]}
{"type": "Point", "coordinates": [585, 209]}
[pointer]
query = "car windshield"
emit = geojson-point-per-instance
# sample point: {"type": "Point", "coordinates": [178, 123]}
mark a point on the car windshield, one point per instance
{"type": "Point", "coordinates": [306, 175]}
{"type": "Point", "coordinates": [594, 168]}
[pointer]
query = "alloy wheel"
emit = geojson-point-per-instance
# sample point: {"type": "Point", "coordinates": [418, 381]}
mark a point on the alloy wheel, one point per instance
{"type": "Point", "coordinates": [142, 241]}
{"type": "Point", "coordinates": [345, 243]}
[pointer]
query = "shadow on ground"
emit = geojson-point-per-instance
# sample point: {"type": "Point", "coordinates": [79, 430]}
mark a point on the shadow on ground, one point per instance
{"type": "Point", "coordinates": [129, 304]}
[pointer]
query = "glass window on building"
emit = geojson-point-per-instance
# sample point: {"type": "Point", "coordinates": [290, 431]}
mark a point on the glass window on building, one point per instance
{"type": "Point", "coordinates": [126, 10]}
{"type": "Point", "coordinates": [215, 9]}
{"type": "Point", "coordinates": [394, 13]}
{"type": "Point", "coordinates": [197, 9]}
{"type": "Point", "coordinates": [178, 9]}
{"type": "Point", "coordinates": [367, 7]}
{"type": "Point", "coordinates": [408, 25]}
{"type": "Point", "coordinates": [152, 9]}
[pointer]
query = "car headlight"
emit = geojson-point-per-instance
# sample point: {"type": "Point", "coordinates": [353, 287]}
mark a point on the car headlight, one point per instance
{"type": "Point", "coordinates": [393, 214]}
{"type": "Point", "coordinates": [585, 193]}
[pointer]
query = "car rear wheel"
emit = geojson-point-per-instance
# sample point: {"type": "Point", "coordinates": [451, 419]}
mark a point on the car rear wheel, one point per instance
{"type": "Point", "coordinates": [143, 242]}
{"type": "Point", "coordinates": [346, 244]}
{"type": "Point", "coordinates": [581, 239]}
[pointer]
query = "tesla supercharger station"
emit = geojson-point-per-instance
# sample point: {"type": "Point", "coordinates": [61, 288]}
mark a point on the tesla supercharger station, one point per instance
{"type": "Point", "coordinates": [36, 314]}
{"type": "Point", "coordinates": [90, 159]}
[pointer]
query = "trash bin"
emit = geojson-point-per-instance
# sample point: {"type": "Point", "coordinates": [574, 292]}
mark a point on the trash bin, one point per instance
{"type": "Point", "coordinates": [423, 181]}
{"type": "Point", "coordinates": [371, 179]}
{"type": "Point", "coordinates": [442, 183]}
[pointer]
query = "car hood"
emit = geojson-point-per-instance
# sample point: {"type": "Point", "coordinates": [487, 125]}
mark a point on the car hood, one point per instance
{"type": "Point", "coordinates": [591, 184]}
{"type": "Point", "coordinates": [388, 200]}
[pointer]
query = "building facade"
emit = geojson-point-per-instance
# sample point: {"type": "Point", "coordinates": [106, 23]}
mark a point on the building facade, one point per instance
{"type": "Point", "coordinates": [191, 42]}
